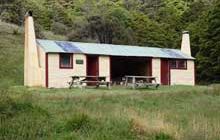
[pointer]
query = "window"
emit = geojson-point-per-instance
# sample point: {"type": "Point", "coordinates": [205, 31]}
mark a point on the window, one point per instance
{"type": "Point", "coordinates": [178, 64]}
{"type": "Point", "coordinates": [182, 64]}
{"type": "Point", "coordinates": [66, 61]}
{"type": "Point", "coordinates": [173, 64]}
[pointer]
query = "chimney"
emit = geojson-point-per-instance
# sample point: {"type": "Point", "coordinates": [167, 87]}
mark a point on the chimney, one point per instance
{"type": "Point", "coordinates": [185, 45]}
{"type": "Point", "coordinates": [31, 69]}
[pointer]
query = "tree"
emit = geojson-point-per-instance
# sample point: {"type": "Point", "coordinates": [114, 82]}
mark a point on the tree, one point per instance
{"type": "Point", "coordinates": [208, 56]}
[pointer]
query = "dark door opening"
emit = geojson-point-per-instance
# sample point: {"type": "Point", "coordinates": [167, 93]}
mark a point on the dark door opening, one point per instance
{"type": "Point", "coordinates": [122, 66]}
{"type": "Point", "coordinates": [93, 66]}
{"type": "Point", "coordinates": [165, 72]}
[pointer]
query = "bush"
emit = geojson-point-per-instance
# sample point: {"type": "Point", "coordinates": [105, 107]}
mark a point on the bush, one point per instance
{"type": "Point", "coordinates": [80, 122]}
{"type": "Point", "coordinates": [21, 119]}
{"type": "Point", "coordinates": [59, 28]}
{"type": "Point", "coordinates": [10, 107]}
{"type": "Point", "coordinates": [5, 16]}
{"type": "Point", "coordinates": [15, 32]}
{"type": "Point", "coordinates": [163, 136]}
{"type": "Point", "coordinates": [39, 31]}
{"type": "Point", "coordinates": [215, 89]}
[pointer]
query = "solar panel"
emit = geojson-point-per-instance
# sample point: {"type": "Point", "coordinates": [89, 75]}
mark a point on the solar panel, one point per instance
{"type": "Point", "coordinates": [68, 47]}
{"type": "Point", "coordinates": [109, 49]}
{"type": "Point", "coordinates": [172, 54]}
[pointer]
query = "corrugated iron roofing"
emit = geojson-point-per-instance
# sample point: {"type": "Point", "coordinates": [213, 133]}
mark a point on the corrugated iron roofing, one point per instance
{"type": "Point", "coordinates": [51, 46]}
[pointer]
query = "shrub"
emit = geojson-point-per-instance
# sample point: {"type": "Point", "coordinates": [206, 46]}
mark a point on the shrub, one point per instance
{"type": "Point", "coordinates": [216, 89]}
{"type": "Point", "coordinates": [59, 28]}
{"type": "Point", "coordinates": [5, 16]}
{"type": "Point", "coordinates": [21, 119]}
{"type": "Point", "coordinates": [80, 122]}
{"type": "Point", "coordinates": [76, 35]}
{"type": "Point", "coordinates": [15, 32]}
{"type": "Point", "coordinates": [162, 136]}
{"type": "Point", "coordinates": [10, 107]}
{"type": "Point", "coordinates": [39, 31]}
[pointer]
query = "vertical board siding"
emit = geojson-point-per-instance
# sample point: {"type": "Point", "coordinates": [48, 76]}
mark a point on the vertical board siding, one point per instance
{"type": "Point", "coordinates": [156, 69]}
{"type": "Point", "coordinates": [46, 71]}
{"type": "Point", "coordinates": [183, 77]}
{"type": "Point", "coordinates": [149, 67]}
{"type": "Point", "coordinates": [42, 66]}
{"type": "Point", "coordinates": [104, 66]}
{"type": "Point", "coordinates": [59, 78]}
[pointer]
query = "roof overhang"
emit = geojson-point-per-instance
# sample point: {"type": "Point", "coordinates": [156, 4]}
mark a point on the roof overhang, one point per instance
{"type": "Point", "coordinates": [51, 46]}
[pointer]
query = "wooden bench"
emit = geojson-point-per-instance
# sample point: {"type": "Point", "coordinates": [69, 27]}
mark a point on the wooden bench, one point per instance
{"type": "Point", "coordinates": [141, 81]}
{"type": "Point", "coordinates": [98, 83]}
{"type": "Point", "coordinates": [96, 80]}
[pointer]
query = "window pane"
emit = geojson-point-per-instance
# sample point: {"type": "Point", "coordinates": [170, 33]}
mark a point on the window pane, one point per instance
{"type": "Point", "coordinates": [182, 64]}
{"type": "Point", "coordinates": [65, 60]}
{"type": "Point", "coordinates": [173, 64]}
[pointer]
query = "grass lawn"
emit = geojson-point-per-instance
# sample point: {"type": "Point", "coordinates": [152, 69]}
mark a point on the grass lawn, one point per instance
{"type": "Point", "coordinates": [177, 112]}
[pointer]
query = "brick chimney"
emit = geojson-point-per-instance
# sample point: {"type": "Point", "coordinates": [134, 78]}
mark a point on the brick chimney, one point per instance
{"type": "Point", "coordinates": [185, 45]}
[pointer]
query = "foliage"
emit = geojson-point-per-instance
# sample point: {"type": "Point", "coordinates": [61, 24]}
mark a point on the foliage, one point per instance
{"type": "Point", "coordinates": [156, 23]}
{"type": "Point", "coordinates": [12, 55]}
{"type": "Point", "coordinates": [208, 55]}
{"type": "Point", "coordinates": [59, 28]}
{"type": "Point", "coordinates": [20, 119]}
{"type": "Point", "coordinates": [80, 122]}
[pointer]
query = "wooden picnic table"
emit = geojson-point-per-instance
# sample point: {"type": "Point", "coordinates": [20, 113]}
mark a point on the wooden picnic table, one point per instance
{"type": "Point", "coordinates": [91, 79]}
{"type": "Point", "coordinates": [140, 81]}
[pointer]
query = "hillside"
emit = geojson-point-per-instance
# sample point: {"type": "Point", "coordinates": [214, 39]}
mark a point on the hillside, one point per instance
{"type": "Point", "coordinates": [11, 53]}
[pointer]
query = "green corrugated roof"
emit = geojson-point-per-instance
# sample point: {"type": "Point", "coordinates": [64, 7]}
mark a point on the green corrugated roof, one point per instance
{"type": "Point", "coordinates": [51, 46]}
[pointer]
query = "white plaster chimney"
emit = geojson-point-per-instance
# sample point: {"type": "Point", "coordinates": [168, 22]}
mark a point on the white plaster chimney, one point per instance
{"type": "Point", "coordinates": [31, 68]}
{"type": "Point", "coordinates": [185, 45]}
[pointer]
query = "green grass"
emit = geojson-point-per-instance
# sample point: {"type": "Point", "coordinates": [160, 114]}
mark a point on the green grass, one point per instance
{"type": "Point", "coordinates": [11, 55]}
{"type": "Point", "coordinates": [170, 113]}
{"type": "Point", "coordinates": [178, 112]}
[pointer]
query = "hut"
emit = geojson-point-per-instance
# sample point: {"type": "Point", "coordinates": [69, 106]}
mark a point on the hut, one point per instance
{"type": "Point", "coordinates": [51, 63]}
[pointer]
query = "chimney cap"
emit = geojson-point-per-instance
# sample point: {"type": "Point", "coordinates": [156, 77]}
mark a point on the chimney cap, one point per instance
{"type": "Point", "coordinates": [185, 32]}
{"type": "Point", "coordinates": [29, 13]}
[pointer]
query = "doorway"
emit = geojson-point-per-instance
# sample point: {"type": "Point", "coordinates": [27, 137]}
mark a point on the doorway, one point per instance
{"type": "Point", "coordinates": [122, 66]}
{"type": "Point", "coordinates": [165, 72]}
{"type": "Point", "coordinates": [92, 67]}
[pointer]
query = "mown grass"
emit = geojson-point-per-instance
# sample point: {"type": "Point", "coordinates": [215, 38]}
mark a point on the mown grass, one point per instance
{"type": "Point", "coordinates": [170, 113]}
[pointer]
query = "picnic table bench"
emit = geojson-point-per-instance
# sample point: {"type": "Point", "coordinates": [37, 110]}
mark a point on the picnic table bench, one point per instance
{"type": "Point", "coordinates": [140, 81]}
{"type": "Point", "coordinates": [89, 80]}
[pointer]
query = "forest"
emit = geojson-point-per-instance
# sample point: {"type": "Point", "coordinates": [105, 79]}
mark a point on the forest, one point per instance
{"type": "Point", "coordinates": [153, 23]}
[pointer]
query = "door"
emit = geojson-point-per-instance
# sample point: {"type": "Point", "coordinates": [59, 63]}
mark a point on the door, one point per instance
{"type": "Point", "coordinates": [165, 72]}
{"type": "Point", "coordinates": [93, 67]}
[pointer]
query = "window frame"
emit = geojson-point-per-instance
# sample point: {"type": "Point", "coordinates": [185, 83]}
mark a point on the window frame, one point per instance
{"type": "Point", "coordinates": [71, 61]}
{"type": "Point", "coordinates": [177, 61]}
